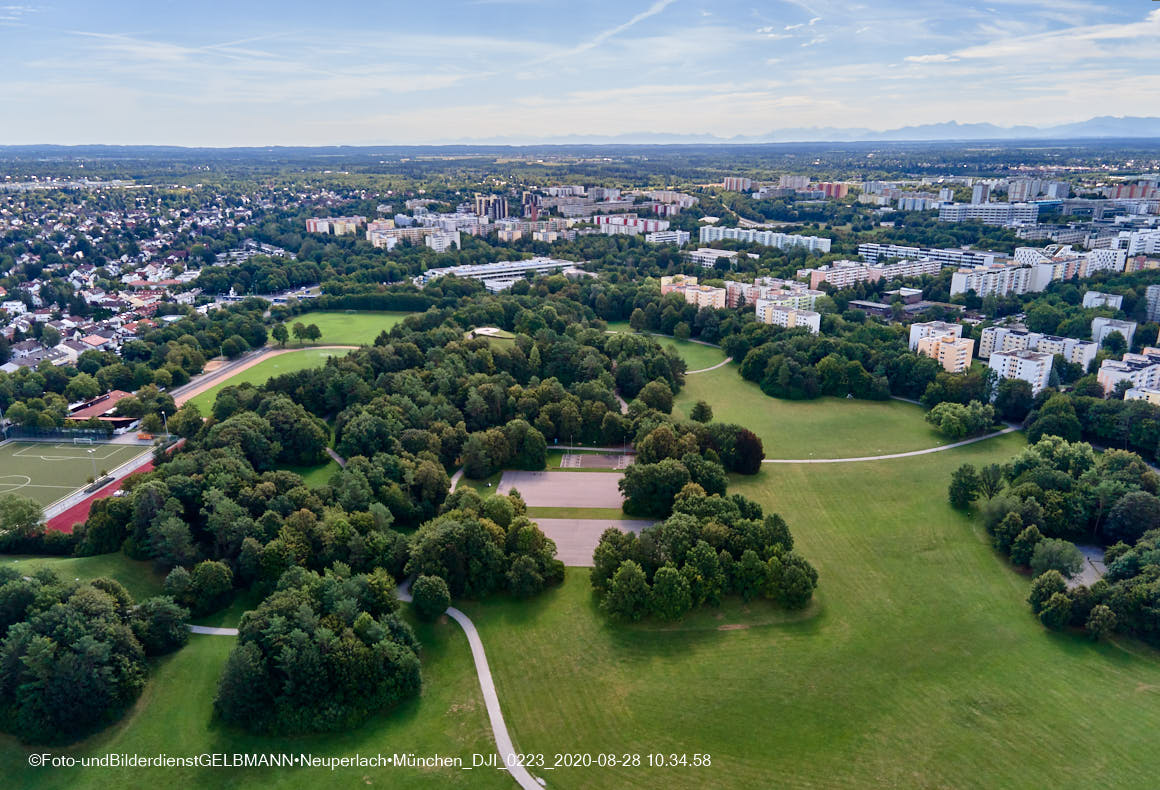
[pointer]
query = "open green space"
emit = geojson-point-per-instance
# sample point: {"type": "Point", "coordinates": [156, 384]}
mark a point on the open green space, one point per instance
{"type": "Point", "coordinates": [265, 370]}
{"type": "Point", "coordinates": [919, 663]}
{"type": "Point", "coordinates": [139, 577]}
{"type": "Point", "coordinates": [821, 428]}
{"type": "Point", "coordinates": [173, 716]}
{"type": "Point", "coordinates": [343, 328]}
{"type": "Point", "coordinates": [316, 475]}
{"type": "Point", "coordinates": [696, 355]}
{"type": "Point", "coordinates": [47, 471]}
{"type": "Point", "coordinates": [485, 487]}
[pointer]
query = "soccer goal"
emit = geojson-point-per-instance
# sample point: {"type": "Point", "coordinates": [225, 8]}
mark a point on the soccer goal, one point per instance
{"type": "Point", "coordinates": [82, 440]}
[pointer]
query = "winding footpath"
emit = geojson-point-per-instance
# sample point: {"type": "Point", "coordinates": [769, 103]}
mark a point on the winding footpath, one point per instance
{"type": "Point", "coordinates": [508, 755]}
{"type": "Point", "coordinates": [714, 367]}
{"type": "Point", "coordinates": [910, 454]}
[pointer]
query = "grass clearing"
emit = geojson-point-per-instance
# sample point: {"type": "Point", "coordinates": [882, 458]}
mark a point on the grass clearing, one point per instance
{"type": "Point", "coordinates": [821, 428]}
{"type": "Point", "coordinates": [266, 370]}
{"type": "Point", "coordinates": [696, 355]}
{"type": "Point", "coordinates": [918, 664]}
{"type": "Point", "coordinates": [316, 475]}
{"type": "Point", "coordinates": [48, 471]}
{"type": "Point", "coordinates": [139, 577]}
{"type": "Point", "coordinates": [174, 716]}
{"type": "Point", "coordinates": [346, 328]}
{"type": "Point", "coordinates": [485, 487]}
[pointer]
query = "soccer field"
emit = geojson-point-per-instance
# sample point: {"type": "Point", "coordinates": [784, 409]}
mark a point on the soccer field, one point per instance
{"type": "Point", "coordinates": [47, 471]}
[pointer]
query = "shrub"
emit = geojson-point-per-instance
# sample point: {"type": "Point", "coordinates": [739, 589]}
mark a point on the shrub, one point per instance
{"type": "Point", "coordinates": [430, 597]}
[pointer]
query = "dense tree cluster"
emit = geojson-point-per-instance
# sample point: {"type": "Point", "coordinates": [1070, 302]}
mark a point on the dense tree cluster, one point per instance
{"type": "Point", "coordinates": [711, 546]}
{"type": "Point", "coordinates": [479, 546]}
{"type": "Point", "coordinates": [1129, 425]}
{"type": "Point", "coordinates": [1055, 492]}
{"type": "Point", "coordinates": [72, 655]}
{"type": "Point", "coordinates": [320, 654]}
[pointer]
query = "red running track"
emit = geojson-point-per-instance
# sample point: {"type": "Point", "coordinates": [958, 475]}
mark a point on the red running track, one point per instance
{"type": "Point", "coordinates": [77, 514]}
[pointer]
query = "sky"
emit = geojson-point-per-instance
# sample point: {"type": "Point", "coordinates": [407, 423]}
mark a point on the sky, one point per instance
{"type": "Point", "coordinates": [251, 72]}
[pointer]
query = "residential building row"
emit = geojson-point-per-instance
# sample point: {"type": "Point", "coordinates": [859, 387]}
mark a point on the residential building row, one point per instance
{"type": "Point", "coordinates": [843, 274]}
{"type": "Point", "coordinates": [768, 238]}
{"type": "Point", "coordinates": [1001, 339]}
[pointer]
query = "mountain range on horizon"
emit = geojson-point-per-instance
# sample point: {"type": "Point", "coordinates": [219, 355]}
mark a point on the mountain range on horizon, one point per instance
{"type": "Point", "coordinates": [1112, 127]}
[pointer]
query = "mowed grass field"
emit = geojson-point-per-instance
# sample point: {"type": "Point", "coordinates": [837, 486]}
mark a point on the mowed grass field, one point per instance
{"type": "Point", "coordinates": [47, 471]}
{"type": "Point", "coordinates": [262, 372]}
{"type": "Point", "coordinates": [355, 328]}
{"type": "Point", "coordinates": [822, 428]}
{"type": "Point", "coordinates": [139, 578]}
{"type": "Point", "coordinates": [174, 717]}
{"type": "Point", "coordinates": [696, 355]}
{"type": "Point", "coordinates": [918, 665]}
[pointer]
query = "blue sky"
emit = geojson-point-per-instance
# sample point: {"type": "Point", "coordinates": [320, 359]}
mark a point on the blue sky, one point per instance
{"type": "Point", "coordinates": [339, 72]}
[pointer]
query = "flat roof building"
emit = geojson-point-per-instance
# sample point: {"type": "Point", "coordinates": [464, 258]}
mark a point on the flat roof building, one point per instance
{"type": "Point", "coordinates": [1034, 367]}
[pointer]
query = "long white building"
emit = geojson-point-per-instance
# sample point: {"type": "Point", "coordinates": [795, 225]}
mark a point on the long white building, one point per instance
{"type": "Point", "coordinates": [998, 339]}
{"type": "Point", "coordinates": [501, 270]}
{"type": "Point", "coordinates": [990, 213]}
{"type": "Point", "coordinates": [872, 252]}
{"type": "Point", "coordinates": [768, 238]}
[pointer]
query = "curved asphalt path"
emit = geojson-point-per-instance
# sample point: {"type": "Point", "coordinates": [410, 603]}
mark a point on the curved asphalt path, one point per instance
{"type": "Point", "coordinates": [910, 454]}
{"type": "Point", "coordinates": [503, 741]}
{"type": "Point", "coordinates": [706, 370]}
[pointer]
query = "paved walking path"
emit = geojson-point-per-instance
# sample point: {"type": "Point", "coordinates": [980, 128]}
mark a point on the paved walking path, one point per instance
{"type": "Point", "coordinates": [503, 741]}
{"type": "Point", "coordinates": [206, 629]}
{"type": "Point", "coordinates": [929, 450]}
{"type": "Point", "coordinates": [455, 478]}
{"type": "Point", "coordinates": [338, 459]}
{"type": "Point", "coordinates": [706, 370]}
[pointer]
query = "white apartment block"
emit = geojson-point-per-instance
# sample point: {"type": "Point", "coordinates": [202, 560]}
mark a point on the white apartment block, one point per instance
{"type": "Point", "coordinates": [629, 221]}
{"type": "Point", "coordinates": [1001, 339]}
{"type": "Point", "coordinates": [1141, 371]}
{"type": "Point", "coordinates": [793, 182]}
{"type": "Point", "coordinates": [1144, 393]}
{"type": "Point", "coordinates": [872, 252]}
{"type": "Point", "coordinates": [677, 237]}
{"type": "Point", "coordinates": [1098, 299]}
{"type": "Point", "coordinates": [843, 274]}
{"type": "Point", "coordinates": [996, 279]}
{"type": "Point", "coordinates": [990, 213]}
{"type": "Point", "coordinates": [787, 293]}
{"type": "Point", "coordinates": [707, 256]}
{"type": "Point", "coordinates": [705, 296]}
{"type": "Point", "coordinates": [768, 238]}
{"type": "Point", "coordinates": [1102, 327]}
{"type": "Point", "coordinates": [737, 184]}
{"type": "Point", "coordinates": [1152, 298]}
{"type": "Point", "coordinates": [932, 329]}
{"type": "Point", "coordinates": [952, 352]}
{"type": "Point", "coordinates": [1139, 242]}
{"type": "Point", "coordinates": [1034, 367]}
{"type": "Point", "coordinates": [777, 315]}
{"type": "Point", "coordinates": [442, 242]}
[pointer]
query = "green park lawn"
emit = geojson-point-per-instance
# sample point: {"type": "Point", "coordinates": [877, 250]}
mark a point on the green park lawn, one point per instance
{"type": "Point", "coordinates": [315, 475]}
{"type": "Point", "coordinates": [265, 370]}
{"type": "Point", "coordinates": [696, 355]}
{"type": "Point", "coordinates": [822, 428]}
{"type": "Point", "coordinates": [342, 328]}
{"type": "Point", "coordinates": [918, 665]}
{"type": "Point", "coordinates": [138, 577]}
{"type": "Point", "coordinates": [174, 717]}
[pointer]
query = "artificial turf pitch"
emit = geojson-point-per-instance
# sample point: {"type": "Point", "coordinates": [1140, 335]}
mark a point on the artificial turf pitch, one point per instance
{"type": "Point", "coordinates": [48, 471]}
